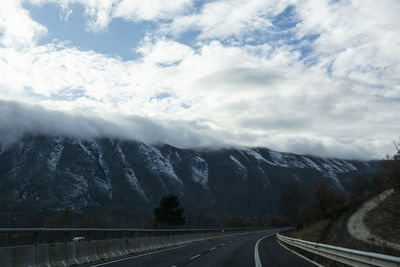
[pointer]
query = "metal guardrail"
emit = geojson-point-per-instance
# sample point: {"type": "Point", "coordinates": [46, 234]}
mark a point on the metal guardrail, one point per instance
{"type": "Point", "coordinates": [343, 255]}
{"type": "Point", "coordinates": [32, 230]}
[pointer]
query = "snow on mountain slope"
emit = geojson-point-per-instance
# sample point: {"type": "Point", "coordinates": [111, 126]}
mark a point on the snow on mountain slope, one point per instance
{"type": "Point", "coordinates": [241, 169]}
{"type": "Point", "coordinates": [55, 155]}
{"type": "Point", "coordinates": [79, 174]}
{"type": "Point", "coordinates": [311, 164]}
{"type": "Point", "coordinates": [344, 165]}
{"type": "Point", "coordinates": [130, 174]}
{"type": "Point", "coordinates": [105, 185]}
{"type": "Point", "coordinates": [158, 163]}
{"type": "Point", "coordinates": [87, 151]}
{"type": "Point", "coordinates": [278, 158]}
{"type": "Point", "coordinates": [200, 172]}
{"type": "Point", "coordinates": [80, 188]}
{"type": "Point", "coordinates": [257, 156]}
{"type": "Point", "coordinates": [103, 163]}
{"type": "Point", "coordinates": [267, 181]}
{"type": "Point", "coordinates": [329, 168]}
{"type": "Point", "coordinates": [243, 154]}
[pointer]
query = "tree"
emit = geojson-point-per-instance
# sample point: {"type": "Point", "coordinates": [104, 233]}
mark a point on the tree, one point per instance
{"type": "Point", "coordinates": [390, 174]}
{"type": "Point", "coordinates": [292, 195]}
{"type": "Point", "coordinates": [328, 199]}
{"type": "Point", "coordinates": [169, 212]}
{"type": "Point", "coordinates": [234, 221]}
{"type": "Point", "coordinates": [326, 202]}
{"type": "Point", "coordinates": [197, 219]}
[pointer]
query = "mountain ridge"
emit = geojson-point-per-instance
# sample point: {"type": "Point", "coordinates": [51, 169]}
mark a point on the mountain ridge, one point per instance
{"type": "Point", "coordinates": [47, 174]}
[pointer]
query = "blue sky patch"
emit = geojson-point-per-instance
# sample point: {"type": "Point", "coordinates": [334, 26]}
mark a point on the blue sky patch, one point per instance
{"type": "Point", "coordinates": [120, 39]}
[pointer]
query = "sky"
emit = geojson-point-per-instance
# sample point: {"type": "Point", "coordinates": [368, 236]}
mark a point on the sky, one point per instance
{"type": "Point", "coordinates": [312, 76]}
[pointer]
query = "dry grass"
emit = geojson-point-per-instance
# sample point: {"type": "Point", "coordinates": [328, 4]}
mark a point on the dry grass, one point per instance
{"type": "Point", "coordinates": [334, 231]}
{"type": "Point", "coordinates": [322, 232]}
{"type": "Point", "coordinates": [384, 221]}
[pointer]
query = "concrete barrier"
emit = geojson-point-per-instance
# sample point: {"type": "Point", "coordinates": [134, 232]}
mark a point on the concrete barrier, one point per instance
{"type": "Point", "coordinates": [5, 256]}
{"type": "Point", "coordinates": [125, 246]}
{"type": "Point", "coordinates": [24, 256]}
{"type": "Point", "coordinates": [129, 246]}
{"type": "Point", "coordinates": [137, 244]}
{"type": "Point", "coordinates": [58, 254]}
{"type": "Point", "coordinates": [83, 252]}
{"type": "Point", "coordinates": [44, 255]}
{"type": "Point", "coordinates": [92, 251]}
{"type": "Point", "coordinates": [117, 247]}
{"type": "Point", "coordinates": [71, 254]}
{"type": "Point", "coordinates": [144, 244]}
{"type": "Point", "coordinates": [102, 249]}
{"type": "Point", "coordinates": [109, 249]}
{"type": "Point", "coordinates": [75, 253]}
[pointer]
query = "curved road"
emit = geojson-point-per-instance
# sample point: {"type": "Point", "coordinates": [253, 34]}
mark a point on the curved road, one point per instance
{"type": "Point", "coordinates": [238, 250]}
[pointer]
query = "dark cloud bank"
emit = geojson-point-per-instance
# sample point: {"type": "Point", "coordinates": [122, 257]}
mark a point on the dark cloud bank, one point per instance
{"type": "Point", "coordinates": [18, 119]}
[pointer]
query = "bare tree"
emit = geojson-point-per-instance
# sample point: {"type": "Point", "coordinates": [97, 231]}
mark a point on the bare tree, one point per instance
{"type": "Point", "coordinates": [291, 197]}
{"type": "Point", "coordinates": [390, 173]}
{"type": "Point", "coordinates": [328, 198]}
{"type": "Point", "coordinates": [390, 177]}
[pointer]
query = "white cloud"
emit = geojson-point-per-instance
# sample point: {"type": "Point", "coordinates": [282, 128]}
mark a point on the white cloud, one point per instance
{"type": "Point", "coordinates": [223, 19]}
{"type": "Point", "coordinates": [164, 51]}
{"type": "Point", "coordinates": [359, 40]}
{"type": "Point", "coordinates": [343, 104]}
{"type": "Point", "coordinates": [16, 26]}
{"type": "Point", "coordinates": [151, 10]}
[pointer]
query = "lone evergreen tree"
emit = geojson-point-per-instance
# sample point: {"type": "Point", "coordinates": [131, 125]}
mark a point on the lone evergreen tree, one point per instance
{"type": "Point", "coordinates": [169, 212]}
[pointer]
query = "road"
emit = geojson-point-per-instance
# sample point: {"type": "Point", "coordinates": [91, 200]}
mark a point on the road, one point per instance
{"type": "Point", "coordinates": [238, 250]}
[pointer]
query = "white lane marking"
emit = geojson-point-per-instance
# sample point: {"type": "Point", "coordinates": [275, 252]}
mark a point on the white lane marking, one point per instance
{"type": "Point", "coordinates": [223, 244]}
{"type": "Point", "coordinates": [159, 251]}
{"type": "Point", "coordinates": [256, 255]}
{"type": "Point", "coordinates": [211, 249]}
{"type": "Point", "coordinates": [230, 241]}
{"type": "Point", "coordinates": [195, 256]}
{"type": "Point", "coordinates": [137, 256]}
{"type": "Point", "coordinates": [319, 265]}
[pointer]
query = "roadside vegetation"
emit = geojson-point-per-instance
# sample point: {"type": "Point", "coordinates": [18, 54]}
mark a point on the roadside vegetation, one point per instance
{"type": "Point", "coordinates": [384, 220]}
{"type": "Point", "coordinates": [323, 219]}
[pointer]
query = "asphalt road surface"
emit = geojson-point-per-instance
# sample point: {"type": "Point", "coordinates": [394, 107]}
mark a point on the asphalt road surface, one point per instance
{"type": "Point", "coordinates": [238, 250]}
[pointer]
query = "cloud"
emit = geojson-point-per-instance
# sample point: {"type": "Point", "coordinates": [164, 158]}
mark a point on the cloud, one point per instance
{"type": "Point", "coordinates": [164, 51]}
{"type": "Point", "coordinates": [335, 94]}
{"type": "Point", "coordinates": [18, 119]}
{"type": "Point", "coordinates": [242, 77]}
{"type": "Point", "coordinates": [356, 40]}
{"type": "Point", "coordinates": [154, 10]}
{"type": "Point", "coordinates": [228, 18]}
{"type": "Point", "coordinates": [16, 27]}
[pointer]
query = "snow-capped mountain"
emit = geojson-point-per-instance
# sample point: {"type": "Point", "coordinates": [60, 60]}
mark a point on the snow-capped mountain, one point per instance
{"type": "Point", "coordinates": [47, 173]}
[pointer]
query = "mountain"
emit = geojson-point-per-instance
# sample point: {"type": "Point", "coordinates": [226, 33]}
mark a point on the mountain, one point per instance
{"type": "Point", "coordinates": [43, 173]}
